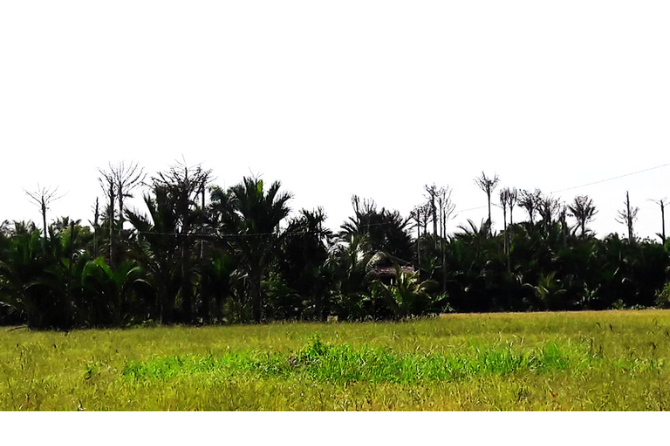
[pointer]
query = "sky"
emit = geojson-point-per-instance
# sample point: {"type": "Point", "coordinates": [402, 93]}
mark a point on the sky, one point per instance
{"type": "Point", "coordinates": [374, 98]}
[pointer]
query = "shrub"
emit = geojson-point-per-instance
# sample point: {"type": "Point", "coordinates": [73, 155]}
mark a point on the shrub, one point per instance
{"type": "Point", "coordinates": [663, 296]}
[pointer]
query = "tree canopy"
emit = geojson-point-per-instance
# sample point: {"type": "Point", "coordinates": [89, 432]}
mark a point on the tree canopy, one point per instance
{"type": "Point", "coordinates": [196, 253]}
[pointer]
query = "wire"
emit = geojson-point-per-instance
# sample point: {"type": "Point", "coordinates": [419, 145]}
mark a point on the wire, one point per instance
{"type": "Point", "coordinates": [586, 185]}
{"type": "Point", "coordinates": [390, 222]}
{"type": "Point", "coordinates": [611, 179]}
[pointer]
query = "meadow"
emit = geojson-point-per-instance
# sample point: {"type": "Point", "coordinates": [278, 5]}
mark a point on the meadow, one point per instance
{"type": "Point", "coordinates": [608, 360]}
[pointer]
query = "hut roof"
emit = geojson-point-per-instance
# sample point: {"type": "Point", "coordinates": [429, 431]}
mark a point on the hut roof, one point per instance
{"type": "Point", "coordinates": [389, 271]}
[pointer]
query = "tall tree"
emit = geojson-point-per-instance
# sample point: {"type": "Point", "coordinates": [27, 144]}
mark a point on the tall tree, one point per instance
{"type": "Point", "coordinates": [446, 207]}
{"type": "Point", "coordinates": [583, 210]}
{"type": "Point", "coordinates": [117, 183]}
{"type": "Point", "coordinates": [627, 216]}
{"type": "Point", "coordinates": [96, 226]}
{"type": "Point", "coordinates": [157, 248]}
{"type": "Point", "coordinates": [126, 179]}
{"type": "Point", "coordinates": [487, 185]}
{"type": "Point", "coordinates": [512, 200]}
{"type": "Point", "coordinates": [251, 216]}
{"type": "Point", "coordinates": [416, 216]}
{"type": "Point", "coordinates": [184, 184]}
{"type": "Point", "coordinates": [384, 230]}
{"type": "Point", "coordinates": [302, 261]}
{"type": "Point", "coordinates": [506, 202]}
{"type": "Point", "coordinates": [662, 202]}
{"type": "Point", "coordinates": [43, 198]}
{"type": "Point", "coordinates": [530, 201]}
{"type": "Point", "coordinates": [432, 195]}
{"type": "Point", "coordinates": [108, 186]}
{"type": "Point", "coordinates": [548, 208]}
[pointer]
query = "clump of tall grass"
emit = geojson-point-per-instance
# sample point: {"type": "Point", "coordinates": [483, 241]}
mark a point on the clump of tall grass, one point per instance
{"type": "Point", "coordinates": [343, 364]}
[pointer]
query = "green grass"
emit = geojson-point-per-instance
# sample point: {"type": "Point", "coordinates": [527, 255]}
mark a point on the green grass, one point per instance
{"type": "Point", "coordinates": [615, 360]}
{"type": "Point", "coordinates": [343, 363]}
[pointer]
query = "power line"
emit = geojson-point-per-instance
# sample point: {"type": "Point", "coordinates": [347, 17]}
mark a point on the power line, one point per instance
{"type": "Point", "coordinates": [588, 184]}
{"type": "Point", "coordinates": [267, 234]}
{"type": "Point", "coordinates": [611, 179]}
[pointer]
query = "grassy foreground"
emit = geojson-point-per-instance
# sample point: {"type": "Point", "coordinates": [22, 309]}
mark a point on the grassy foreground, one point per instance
{"type": "Point", "coordinates": [614, 360]}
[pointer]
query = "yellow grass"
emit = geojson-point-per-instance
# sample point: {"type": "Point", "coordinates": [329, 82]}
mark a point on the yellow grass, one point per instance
{"type": "Point", "coordinates": [618, 361]}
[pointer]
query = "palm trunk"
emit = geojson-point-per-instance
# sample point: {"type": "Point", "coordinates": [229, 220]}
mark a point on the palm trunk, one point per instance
{"type": "Point", "coordinates": [186, 292]}
{"type": "Point", "coordinates": [44, 222]}
{"type": "Point", "coordinates": [204, 288]}
{"type": "Point", "coordinates": [69, 268]}
{"type": "Point", "coordinates": [444, 252]}
{"type": "Point", "coordinates": [111, 226]}
{"type": "Point", "coordinates": [256, 297]}
{"type": "Point", "coordinates": [418, 241]}
{"type": "Point", "coordinates": [488, 195]}
{"type": "Point", "coordinates": [165, 301]}
{"type": "Point", "coordinates": [663, 221]}
{"type": "Point", "coordinates": [434, 213]}
{"type": "Point", "coordinates": [96, 216]}
{"type": "Point", "coordinates": [121, 220]}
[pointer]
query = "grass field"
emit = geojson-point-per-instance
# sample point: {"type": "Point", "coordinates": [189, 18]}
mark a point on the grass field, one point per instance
{"type": "Point", "coordinates": [614, 360]}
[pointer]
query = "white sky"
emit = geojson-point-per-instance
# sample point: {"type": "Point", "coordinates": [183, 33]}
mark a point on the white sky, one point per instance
{"type": "Point", "coordinates": [337, 98]}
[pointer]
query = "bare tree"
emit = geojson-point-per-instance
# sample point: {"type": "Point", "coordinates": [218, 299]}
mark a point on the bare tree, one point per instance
{"type": "Point", "coordinates": [431, 196]}
{"type": "Point", "coordinates": [421, 215]}
{"type": "Point", "coordinates": [508, 198]}
{"type": "Point", "coordinates": [446, 207]}
{"type": "Point", "coordinates": [562, 217]}
{"type": "Point", "coordinates": [43, 197]}
{"type": "Point", "coordinates": [512, 201]}
{"type": "Point", "coordinates": [530, 201]}
{"type": "Point", "coordinates": [108, 186]}
{"type": "Point", "coordinates": [505, 203]}
{"type": "Point", "coordinates": [583, 210]}
{"type": "Point", "coordinates": [548, 208]}
{"type": "Point", "coordinates": [96, 225]}
{"type": "Point", "coordinates": [126, 179]}
{"type": "Point", "coordinates": [662, 202]}
{"type": "Point", "coordinates": [117, 184]}
{"type": "Point", "coordinates": [487, 185]}
{"type": "Point", "coordinates": [416, 216]}
{"type": "Point", "coordinates": [627, 216]}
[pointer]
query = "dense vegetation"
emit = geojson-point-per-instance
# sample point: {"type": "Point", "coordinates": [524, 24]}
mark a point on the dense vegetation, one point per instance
{"type": "Point", "coordinates": [605, 360]}
{"type": "Point", "coordinates": [199, 254]}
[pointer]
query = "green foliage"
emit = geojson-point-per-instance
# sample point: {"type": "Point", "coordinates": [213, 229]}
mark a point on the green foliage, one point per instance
{"type": "Point", "coordinates": [663, 296]}
{"type": "Point", "coordinates": [243, 257]}
{"type": "Point", "coordinates": [406, 296]}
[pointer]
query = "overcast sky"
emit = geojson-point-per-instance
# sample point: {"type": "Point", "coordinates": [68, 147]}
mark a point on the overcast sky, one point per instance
{"type": "Point", "coordinates": [340, 97]}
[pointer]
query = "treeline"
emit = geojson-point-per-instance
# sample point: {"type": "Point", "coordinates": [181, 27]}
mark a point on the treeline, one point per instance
{"type": "Point", "coordinates": [198, 254]}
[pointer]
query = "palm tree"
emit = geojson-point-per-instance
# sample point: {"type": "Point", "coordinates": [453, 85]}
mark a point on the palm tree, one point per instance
{"type": "Point", "coordinates": [43, 198]}
{"type": "Point", "coordinates": [110, 290]}
{"type": "Point", "coordinates": [250, 217]}
{"type": "Point", "coordinates": [157, 247]}
{"type": "Point", "coordinates": [549, 290]}
{"type": "Point", "coordinates": [351, 264]}
{"type": "Point", "coordinates": [627, 216]}
{"type": "Point", "coordinates": [662, 202]}
{"type": "Point", "coordinates": [384, 230]}
{"type": "Point", "coordinates": [583, 210]}
{"type": "Point", "coordinates": [32, 280]}
{"type": "Point", "coordinates": [184, 184]}
{"type": "Point", "coordinates": [530, 201]}
{"type": "Point", "coordinates": [487, 185]}
{"type": "Point", "coordinates": [217, 280]}
{"type": "Point", "coordinates": [407, 296]}
{"type": "Point", "coordinates": [304, 254]}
